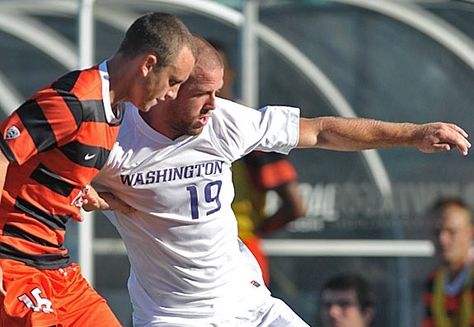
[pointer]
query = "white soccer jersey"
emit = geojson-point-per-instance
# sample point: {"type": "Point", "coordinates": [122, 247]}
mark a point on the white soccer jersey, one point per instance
{"type": "Point", "coordinates": [182, 242]}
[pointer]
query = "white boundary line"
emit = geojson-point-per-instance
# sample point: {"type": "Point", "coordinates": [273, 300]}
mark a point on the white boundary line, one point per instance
{"type": "Point", "coordinates": [350, 248]}
{"type": "Point", "coordinates": [313, 248]}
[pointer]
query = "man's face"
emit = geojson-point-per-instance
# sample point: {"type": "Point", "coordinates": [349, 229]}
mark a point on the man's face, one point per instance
{"type": "Point", "coordinates": [164, 82]}
{"type": "Point", "coordinates": [196, 99]}
{"type": "Point", "coordinates": [453, 236]}
{"type": "Point", "coordinates": [340, 308]}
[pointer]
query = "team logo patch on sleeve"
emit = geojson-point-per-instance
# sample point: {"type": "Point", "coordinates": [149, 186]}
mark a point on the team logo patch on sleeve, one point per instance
{"type": "Point", "coordinates": [255, 283]}
{"type": "Point", "coordinates": [12, 133]}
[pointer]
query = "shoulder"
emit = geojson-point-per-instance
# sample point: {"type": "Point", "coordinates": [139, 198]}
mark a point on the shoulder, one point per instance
{"type": "Point", "coordinates": [71, 90]}
{"type": "Point", "coordinates": [83, 84]}
{"type": "Point", "coordinates": [233, 108]}
{"type": "Point", "coordinates": [235, 115]}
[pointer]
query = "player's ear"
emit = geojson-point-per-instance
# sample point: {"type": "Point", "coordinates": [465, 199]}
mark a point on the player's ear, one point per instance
{"type": "Point", "coordinates": [149, 64]}
{"type": "Point", "coordinates": [369, 314]}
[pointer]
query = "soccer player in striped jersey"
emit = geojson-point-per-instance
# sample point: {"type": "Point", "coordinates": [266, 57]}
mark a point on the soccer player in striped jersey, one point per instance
{"type": "Point", "coordinates": [173, 165]}
{"type": "Point", "coordinates": [52, 146]}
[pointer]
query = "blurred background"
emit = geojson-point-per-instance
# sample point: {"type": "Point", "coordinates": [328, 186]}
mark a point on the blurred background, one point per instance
{"type": "Point", "coordinates": [392, 60]}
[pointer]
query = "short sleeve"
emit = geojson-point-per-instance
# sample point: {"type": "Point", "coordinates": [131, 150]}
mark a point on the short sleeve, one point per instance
{"type": "Point", "coordinates": [241, 129]}
{"type": "Point", "coordinates": [48, 120]}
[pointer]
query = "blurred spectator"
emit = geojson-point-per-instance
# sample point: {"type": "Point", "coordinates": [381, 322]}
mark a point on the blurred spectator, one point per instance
{"type": "Point", "coordinates": [347, 300]}
{"type": "Point", "coordinates": [255, 175]}
{"type": "Point", "coordinates": [449, 292]}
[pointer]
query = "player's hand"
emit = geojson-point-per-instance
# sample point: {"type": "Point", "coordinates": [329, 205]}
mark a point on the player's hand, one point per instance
{"type": "Point", "coordinates": [2, 290]}
{"type": "Point", "coordinates": [103, 201]}
{"type": "Point", "coordinates": [90, 200]}
{"type": "Point", "coordinates": [437, 137]}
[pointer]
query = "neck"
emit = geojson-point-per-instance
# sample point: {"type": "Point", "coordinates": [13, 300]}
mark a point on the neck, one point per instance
{"type": "Point", "coordinates": [455, 268]}
{"type": "Point", "coordinates": [158, 121]}
{"type": "Point", "coordinates": [119, 79]}
{"type": "Point", "coordinates": [160, 118]}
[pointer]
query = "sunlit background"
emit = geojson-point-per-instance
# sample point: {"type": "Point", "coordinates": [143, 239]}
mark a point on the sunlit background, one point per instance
{"type": "Point", "coordinates": [391, 60]}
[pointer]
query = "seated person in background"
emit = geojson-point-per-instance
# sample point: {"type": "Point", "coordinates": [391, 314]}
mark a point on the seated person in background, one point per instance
{"type": "Point", "coordinates": [253, 176]}
{"type": "Point", "coordinates": [448, 295]}
{"type": "Point", "coordinates": [347, 301]}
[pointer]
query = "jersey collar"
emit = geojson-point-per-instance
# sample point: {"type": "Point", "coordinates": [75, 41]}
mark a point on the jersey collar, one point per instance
{"type": "Point", "coordinates": [109, 114]}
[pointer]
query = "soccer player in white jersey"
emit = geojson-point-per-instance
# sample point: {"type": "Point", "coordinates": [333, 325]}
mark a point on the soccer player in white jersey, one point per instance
{"type": "Point", "coordinates": [173, 166]}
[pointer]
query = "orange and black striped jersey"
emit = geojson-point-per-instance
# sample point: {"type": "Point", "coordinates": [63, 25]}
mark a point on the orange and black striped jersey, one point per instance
{"type": "Point", "coordinates": [56, 142]}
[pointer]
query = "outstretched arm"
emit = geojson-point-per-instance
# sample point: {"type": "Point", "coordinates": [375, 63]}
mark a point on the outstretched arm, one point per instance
{"type": "Point", "coordinates": [353, 134]}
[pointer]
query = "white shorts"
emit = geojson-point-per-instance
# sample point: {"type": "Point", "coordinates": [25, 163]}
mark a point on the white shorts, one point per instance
{"type": "Point", "coordinates": [272, 313]}
{"type": "Point", "coordinates": [246, 306]}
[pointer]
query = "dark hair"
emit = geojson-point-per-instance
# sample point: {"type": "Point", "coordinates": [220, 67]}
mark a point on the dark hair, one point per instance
{"type": "Point", "coordinates": [346, 282]}
{"type": "Point", "coordinates": [159, 33]}
{"type": "Point", "coordinates": [445, 202]}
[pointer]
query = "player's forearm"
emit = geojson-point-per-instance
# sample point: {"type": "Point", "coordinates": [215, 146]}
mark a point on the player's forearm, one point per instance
{"type": "Point", "coordinates": [292, 207]}
{"type": "Point", "coordinates": [352, 134]}
{"type": "Point", "coordinates": [275, 222]}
